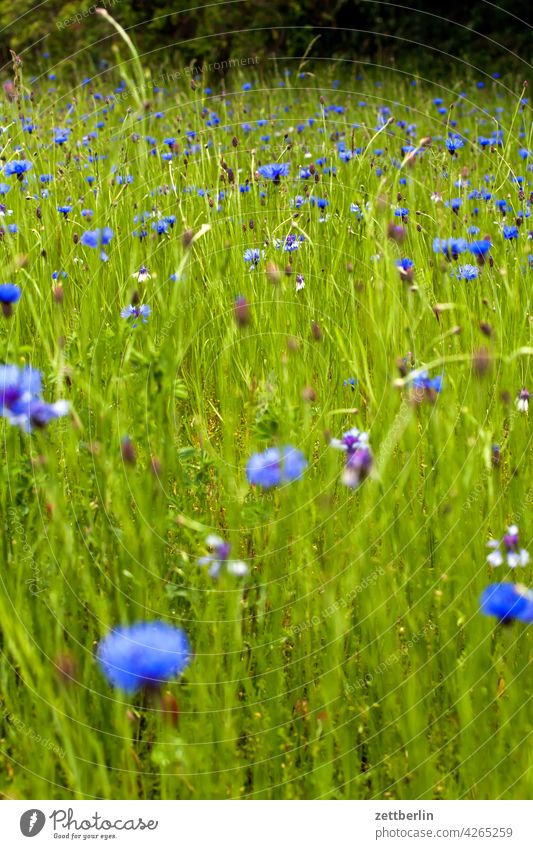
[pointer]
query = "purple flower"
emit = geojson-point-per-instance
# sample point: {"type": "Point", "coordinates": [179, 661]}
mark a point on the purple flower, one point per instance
{"type": "Point", "coordinates": [274, 466]}
{"type": "Point", "coordinates": [359, 458]}
{"type": "Point", "coordinates": [508, 601]}
{"type": "Point", "coordinates": [514, 555]}
{"type": "Point", "coordinates": [146, 654]}
{"type": "Point", "coordinates": [358, 467]}
{"type": "Point", "coordinates": [142, 274]}
{"type": "Point", "coordinates": [522, 401]}
{"type": "Point", "coordinates": [219, 558]}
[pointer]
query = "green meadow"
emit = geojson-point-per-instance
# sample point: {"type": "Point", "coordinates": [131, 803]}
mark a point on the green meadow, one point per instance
{"type": "Point", "coordinates": [352, 660]}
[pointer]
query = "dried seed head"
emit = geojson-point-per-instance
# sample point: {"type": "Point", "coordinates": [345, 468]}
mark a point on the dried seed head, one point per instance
{"type": "Point", "coordinates": [273, 272]}
{"type": "Point", "coordinates": [129, 455]}
{"type": "Point", "coordinates": [316, 332]}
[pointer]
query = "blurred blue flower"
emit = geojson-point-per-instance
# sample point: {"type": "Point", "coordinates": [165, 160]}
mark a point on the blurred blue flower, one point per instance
{"type": "Point", "coordinates": [479, 247]}
{"type": "Point", "coordinates": [9, 295]}
{"type": "Point", "coordinates": [423, 382]}
{"type": "Point", "coordinates": [20, 401]}
{"type": "Point", "coordinates": [18, 167]}
{"type": "Point", "coordinates": [61, 136]}
{"type": "Point", "coordinates": [136, 312]}
{"type": "Point", "coordinates": [406, 267]}
{"type": "Point", "coordinates": [467, 272]}
{"type": "Point", "coordinates": [450, 247]}
{"type": "Point", "coordinates": [274, 466]}
{"type": "Point", "coordinates": [97, 239]}
{"type": "Point", "coordinates": [17, 385]}
{"type": "Point", "coordinates": [274, 171]}
{"type": "Point", "coordinates": [508, 601]}
{"type": "Point", "coordinates": [146, 654]}
{"type": "Point", "coordinates": [36, 413]}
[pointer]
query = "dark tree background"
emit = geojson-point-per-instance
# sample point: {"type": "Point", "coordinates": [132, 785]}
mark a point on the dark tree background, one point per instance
{"type": "Point", "coordinates": [173, 33]}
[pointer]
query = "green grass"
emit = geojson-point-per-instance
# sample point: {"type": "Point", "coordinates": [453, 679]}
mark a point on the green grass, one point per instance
{"type": "Point", "coordinates": [352, 661]}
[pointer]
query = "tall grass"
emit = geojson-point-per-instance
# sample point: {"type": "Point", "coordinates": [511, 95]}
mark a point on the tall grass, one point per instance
{"type": "Point", "coordinates": [352, 661]}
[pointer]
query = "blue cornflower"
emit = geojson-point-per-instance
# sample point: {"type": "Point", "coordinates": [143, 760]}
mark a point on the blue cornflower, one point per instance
{"type": "Point", "coordinates": [479, 247]}
{"type": "Point", "coordinates": [9, 295]}
{"type": "Point", "coordinates": [20, 401]}
{"type": "Point", "coordinates": [64, 210]}
{"type": "Point", "coordinates": [406, 267]}
{"type": "Point", "coordinates": [450, 247]}
{"type": "Point", "coordinates": [454, 143]}
{"type": "Point", "coordinates": [61, 136]}
{"type": "Point", "coordinates": [4, 188]}
{"type": "Point", "coordinates": [18, 385]}
{"type": "Point", "coordinates": [36, 413]}
{"type": "Point", "coordinates": [290, 243]}
{"type": "Point", "coordinates": [146, 654]}
{"type": "Point", "coordinates": [467, 272]}
{"type": "Point", "coordinates": [508, 601]}
{"type": "Point", "coordinates": [97, 239]}
{"type": "Point", "coordinates": [274, 466]}
{"type": "Point", "coordinates": [136, 312]}
{"type": "Point", "coordinates": [510, 232]}
{"type": "Point", "coordinates": [274, 171]}
{"type": "Point", "coordinates": [424, 384]}
{"type": "Point", "coordinates": [252, 255]}
{"type": "Point", "coordinates": [219, 557]}
{"type": "Point", "coordinates": [18, 167]}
